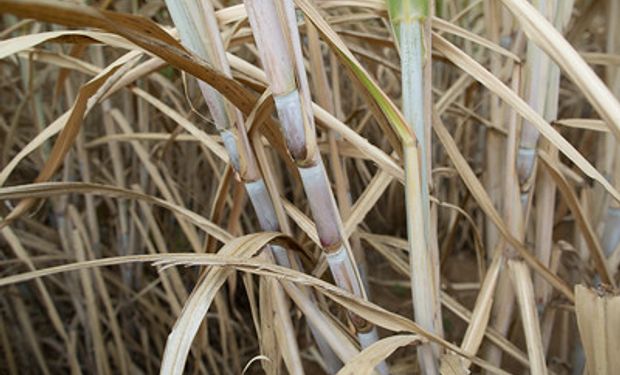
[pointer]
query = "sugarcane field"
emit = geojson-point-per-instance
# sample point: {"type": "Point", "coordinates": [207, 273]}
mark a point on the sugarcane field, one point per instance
{"type": "Point", "coordinates": [339, 187]}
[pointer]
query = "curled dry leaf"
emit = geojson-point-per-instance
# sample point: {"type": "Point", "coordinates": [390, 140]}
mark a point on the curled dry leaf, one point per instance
{"type": "Point", "coordinates": [365, 362]}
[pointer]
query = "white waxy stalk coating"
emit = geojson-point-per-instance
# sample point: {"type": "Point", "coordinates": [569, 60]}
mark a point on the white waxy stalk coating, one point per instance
{"type": "Point", "coordinates": [290, 113]}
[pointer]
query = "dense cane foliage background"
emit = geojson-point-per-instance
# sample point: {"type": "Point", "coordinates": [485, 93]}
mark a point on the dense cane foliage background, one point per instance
{"type": "Point", "coordinates": [309, 186]}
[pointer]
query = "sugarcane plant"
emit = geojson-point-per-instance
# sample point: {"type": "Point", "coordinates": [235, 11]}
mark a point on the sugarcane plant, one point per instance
{"type": "Point", "coordinates": [411, 25]}
{"type": "Point", "coordinates": [274, 27]}
{"type": "Point", "coordinates": [198, 30]}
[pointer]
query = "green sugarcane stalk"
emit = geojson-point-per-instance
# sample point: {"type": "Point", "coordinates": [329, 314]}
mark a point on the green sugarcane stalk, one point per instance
{"type": "Point", "coordinates": [275, 31]}
{"type": "Point", "coordinates": [411, 24]}
{"type": "Point", "coordinates": [190, 17]}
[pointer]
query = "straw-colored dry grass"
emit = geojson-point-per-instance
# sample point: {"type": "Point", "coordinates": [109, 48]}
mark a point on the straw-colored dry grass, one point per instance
{"type": "Point", "coordinates": [142, 231]}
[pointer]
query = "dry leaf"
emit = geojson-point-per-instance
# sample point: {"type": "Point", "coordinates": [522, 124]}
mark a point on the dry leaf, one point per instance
{"type": "Point", "coordinates": [598, 318]}
{"type": "Point", "coordinates": [451, 364]}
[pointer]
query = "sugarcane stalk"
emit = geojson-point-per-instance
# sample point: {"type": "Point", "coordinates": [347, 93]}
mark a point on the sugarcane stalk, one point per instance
{"type": "Point", "coordinates": [331, 355]}
{"type": "Point", "coordinates": [524, 290]}
{"type": "Point", "coordinates": [543, 85]}
{"type": "Point", "coordinates": [611, 234]}
{"type": "Point", "coordinates": [325, 100]}
{"type": "Point", "coordinates": [610, 160]}
{"type": "Point", "coordinates": [411, 24]}
{"type": "Point", "coordinates": [192, 17]}
{"type": "Point", "coordinates": [494, 141]}
{"type": "Point", "coordinates": [519, 272]}
{"type": "Point", "coordinates": [423, 270]}
{"type": "Point", "coordinates": [274, 27]}
{"type": "Point", "coordinates": [543, 91]}
{"type": "Point", "coordinates": [412, 20]}
{"type": "Point", "coordinates": [505, 294]}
